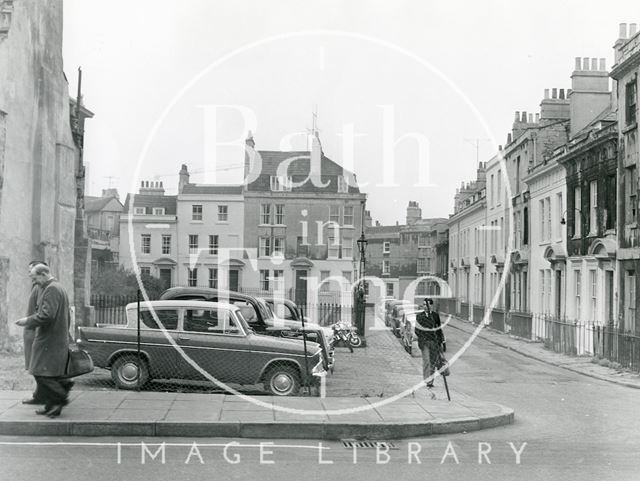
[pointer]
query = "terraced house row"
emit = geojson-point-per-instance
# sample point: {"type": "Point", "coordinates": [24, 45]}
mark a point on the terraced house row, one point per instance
{"type": "Point", "coordinates": [292, 233]}
{"type": "Point", "coordinates": [547, 235]}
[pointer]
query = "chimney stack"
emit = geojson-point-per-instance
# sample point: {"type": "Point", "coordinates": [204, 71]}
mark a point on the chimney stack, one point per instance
{"type": "Point", "coordinates": [151, 188]}
{"type": "Point", "coordinates": [632, 29]}
{"type": "Point", "coordinates": [590, 93]}
{"type": "Point", "coordinates": [414, 213]}
{"type": "Point", "coordinates": [183, 178]}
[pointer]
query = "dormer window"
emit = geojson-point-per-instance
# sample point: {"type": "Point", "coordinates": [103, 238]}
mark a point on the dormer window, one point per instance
{"type": "Point", "coordinates": [158, 211]}
{"type": "Point", "coordinates": [280, 183]}
{"type": "Point", "coordinates": [139, 211]}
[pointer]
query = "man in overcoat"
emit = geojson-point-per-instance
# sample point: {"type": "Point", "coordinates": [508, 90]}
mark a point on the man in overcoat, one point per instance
{"type": "Point", "coordinates": [431, 340]}
{"type": "Point", "coordinates": [50, 349]}
{"type": "Point", "coordinates": [29, 334]}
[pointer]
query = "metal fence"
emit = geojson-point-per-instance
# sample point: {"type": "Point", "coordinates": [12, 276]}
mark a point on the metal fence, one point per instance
{"type": "Point", "coordinates": [110, 309]}
{"type": "Point", "coordinates": [617, 346]}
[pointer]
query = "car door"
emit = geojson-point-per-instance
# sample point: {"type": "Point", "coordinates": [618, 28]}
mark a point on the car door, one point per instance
{"type": "Point", "coordinates": [213, 342]}
{"type": "Point", "coordinates": [158, 336]}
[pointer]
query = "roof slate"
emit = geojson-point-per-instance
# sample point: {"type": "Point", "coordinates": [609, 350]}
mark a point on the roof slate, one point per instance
{"type": "Point", "coordinates": [207, 189]}
{"type": "Point", "coordinates": [150, 201]}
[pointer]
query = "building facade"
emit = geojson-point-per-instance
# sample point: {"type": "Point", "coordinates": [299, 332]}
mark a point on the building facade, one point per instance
{"type": "Point", "coordinates": [303, 222]}
{"type": "Point", "coordinates": [102, 217]}
{"type": "Point", "coordinates": [625, 72]}
{"type": "Point", "coordinates": [39, 159]}
{"type": "Point", "coordinates": [398, 255]}
{"type": "Point", "coordinates": [150, 244]}
{"type": "Point", "coordinates": [467, 244]}
{"type": "Point", "coordinates": [210, 235]}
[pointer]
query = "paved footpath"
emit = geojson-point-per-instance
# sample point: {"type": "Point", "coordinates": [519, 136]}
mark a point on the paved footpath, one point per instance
{"type": "Point", "coordinates": [118, 413]}
{"type": "Point", "coordinates": [536, 350]}
{"type": "Point", "coordinates": [376, 392]}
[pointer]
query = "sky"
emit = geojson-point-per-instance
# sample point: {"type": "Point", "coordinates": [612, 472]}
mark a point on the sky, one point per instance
{"type": "Point", "coordinates": [403, 91]}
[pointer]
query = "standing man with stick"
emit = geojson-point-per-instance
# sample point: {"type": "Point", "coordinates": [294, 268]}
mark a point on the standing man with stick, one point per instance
{"type": "Point", "coordinates": [428, 330]}
{"type": "Point", "coordinates": [50, 349]}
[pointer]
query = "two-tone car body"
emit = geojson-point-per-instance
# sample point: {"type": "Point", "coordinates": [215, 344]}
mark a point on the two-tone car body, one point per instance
{"type": "Point", "coordinates": [190, 339]}
{"type": "Point", "coordinates": [258, 315]}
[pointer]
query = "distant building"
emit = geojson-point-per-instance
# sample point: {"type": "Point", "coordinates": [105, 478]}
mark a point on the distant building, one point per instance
{"type": "Point", "coordinates": [102, 216]}
{"type": "Point", "coordinates": [467, 248]}
{"type": "Point", "coordinates": [153, 218]}
{"type": "Point", "coordinates": [400, 254]}
{"type": "Point", "coordinates": [303, 230]}
{"type": "Point", "coordinates": [626, 72]}
{"type": "Point", "coordinates": [210, 230]}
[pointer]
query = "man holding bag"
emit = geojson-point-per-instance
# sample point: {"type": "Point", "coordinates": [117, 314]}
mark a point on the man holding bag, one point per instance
{"type": "Point", "coordinates": [431, 340]}
{"type": "Point", "coordinates": [50, 348]}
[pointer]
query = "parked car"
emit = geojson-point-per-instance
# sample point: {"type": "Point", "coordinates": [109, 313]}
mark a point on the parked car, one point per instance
{"type": "Point", "coordinates": [397, 310]}
{"type": "Point", "coordinates": [185, 336]}
{"type": "Point", "coordinates": [289, 311]}
{"type": "Point", "coordinates": [407, 329]}
{"type": "Point", "coordinates": [257, 314]}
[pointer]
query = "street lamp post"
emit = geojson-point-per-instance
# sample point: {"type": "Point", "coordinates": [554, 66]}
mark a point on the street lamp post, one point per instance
{"type": "Point", "coordinates": [360, 300]}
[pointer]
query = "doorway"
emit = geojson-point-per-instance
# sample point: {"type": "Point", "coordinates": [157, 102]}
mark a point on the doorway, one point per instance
{"type": "Point", "coordinates": [234, 280]}
{"type": "Point", "coordinates": [165, 277]}
{"type": "Point", "coordinates": [558, 294]}
{"type": "Point", "coordinates": [301, 287]}
{"type": "Point", "coordinates": [608, 297]}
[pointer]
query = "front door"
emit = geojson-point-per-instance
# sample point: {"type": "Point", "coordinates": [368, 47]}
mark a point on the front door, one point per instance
{"type": "Point", "coordinates": [608, 296]}
{"type": "Point", "coordinates": [558, 294]}
{"type": "Point", "coordinates": [165, 277]}
{"type": "Point", "coordinates": [301, 287]}
{"type": "Point", "coordinates": [234, 283]}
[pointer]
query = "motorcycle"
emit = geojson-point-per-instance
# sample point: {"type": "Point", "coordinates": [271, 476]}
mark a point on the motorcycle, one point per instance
{"type": "Point", "coordinates": [346, 334]}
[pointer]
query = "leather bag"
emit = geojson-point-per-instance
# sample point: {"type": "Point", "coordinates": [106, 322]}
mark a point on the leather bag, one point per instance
{"type": "Point", "coordinates": [78, 363]}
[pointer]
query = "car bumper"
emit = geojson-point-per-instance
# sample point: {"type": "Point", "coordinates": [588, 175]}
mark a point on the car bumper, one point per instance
{"type": "Point", "coordinates": [318, 372]}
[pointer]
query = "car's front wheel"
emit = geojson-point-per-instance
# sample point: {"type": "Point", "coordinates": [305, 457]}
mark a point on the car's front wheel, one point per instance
{"type": "Point", "coordinates": [282, 381]}
{"type": "Point", "coordinates": [129, 372]}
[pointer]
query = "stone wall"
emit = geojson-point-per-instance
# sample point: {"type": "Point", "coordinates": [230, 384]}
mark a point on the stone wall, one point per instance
{"type": "Point", "coordinates": [38, 192]}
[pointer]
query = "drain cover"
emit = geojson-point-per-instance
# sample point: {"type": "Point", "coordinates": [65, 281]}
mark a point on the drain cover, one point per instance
{"type": "Point", "coordinates": [366, 444]}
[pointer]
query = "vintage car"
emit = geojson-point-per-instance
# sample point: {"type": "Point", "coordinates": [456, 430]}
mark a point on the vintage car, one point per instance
{"type": "Point", "coordinates": [186, 339]}
{"type": "Point", "coordinates": [289, 311]}
{"type": "Point", "coordinates": [395, 314]}
{"type": "Point", "coordinates": [257, 314]}
{"type": "Point", "coordinates": [407, 329]}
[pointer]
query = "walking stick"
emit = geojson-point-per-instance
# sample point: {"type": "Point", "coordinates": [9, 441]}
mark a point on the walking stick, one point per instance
{"type": "Point", "coordinates": [446, 387]}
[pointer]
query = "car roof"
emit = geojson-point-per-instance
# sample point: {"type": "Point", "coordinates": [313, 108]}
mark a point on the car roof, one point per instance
{"type": "Point", "coordinates": [205, 291]}
{"type": "Point", "coordinates": [183, 303]}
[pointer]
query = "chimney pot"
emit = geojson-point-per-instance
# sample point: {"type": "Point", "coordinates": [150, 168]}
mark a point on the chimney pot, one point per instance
{"type": "Point", "coordinates": [632, 29]}
{"type": "Point", "coordinates": [603, 64]}
{"type": "Point", "coordinates": [594, 64]}
{"type": "Point", "coordinates": [585, 63]}
{"type": "Point", "coordinates": [578, 63]}
{"type": "Point", "coordinates": [537, 118]}
{"type": "Point", "coordinates": [623, 30]}
{"type": "Point", "coordinates": [568, 92]}
{"type": "Point", "coordinates": [524, 117]}
{"type": "Point", "coordinates": [530, 118]}
{"type": "Point", "coordinates": [546, 93]}
{"type": "Point", "coordinates": [554, 93]}
{"type": "Point", "coordinates": [561, 94]}
{"type": "Point", "coordinates": [517, 119]}
{"type": "Point", "coordinates": [508, 138]}
{"type": "Point", "coordinates": [142, 183]}
{"type": "Point", "coordinates": [499, 147]}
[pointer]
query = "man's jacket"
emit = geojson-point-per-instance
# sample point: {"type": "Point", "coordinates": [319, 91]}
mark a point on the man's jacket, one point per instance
{"type": "Point", "coordinates": [428, 328]}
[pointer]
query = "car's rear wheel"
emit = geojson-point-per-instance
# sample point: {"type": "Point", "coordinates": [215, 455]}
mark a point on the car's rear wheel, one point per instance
{"type": "Point", "coordinates": [282, 381]}
{"type": "Point", "coordinates": [129, 372]}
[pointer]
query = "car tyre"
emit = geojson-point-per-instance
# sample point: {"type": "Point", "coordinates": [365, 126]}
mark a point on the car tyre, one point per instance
{"type": "Point", "coordinates": [126, 369]}
{"type": "Point", "coordinates": [282, 381]}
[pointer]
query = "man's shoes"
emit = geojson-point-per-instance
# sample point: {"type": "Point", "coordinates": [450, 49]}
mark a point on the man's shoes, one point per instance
{"type": "Point", "coordinates": [44, 410]}
{"type": "Point", "coordinates": [55, 411]}
{"type": "Point", "coordinates": [31, 401]}
{"type": "Point", "coordinates": [429, 385]}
